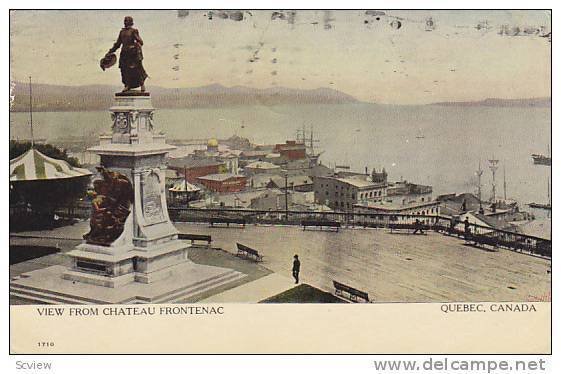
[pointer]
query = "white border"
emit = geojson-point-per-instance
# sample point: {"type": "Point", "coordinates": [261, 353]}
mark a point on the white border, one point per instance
{"type": "Point", "coordinates": [250, 364]}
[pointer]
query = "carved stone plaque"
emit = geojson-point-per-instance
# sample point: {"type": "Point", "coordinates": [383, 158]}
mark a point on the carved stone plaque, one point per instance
{"type": "Point", "coordinates": [120, 123]}
{"type": "Point", "coordinates": [152, 209]}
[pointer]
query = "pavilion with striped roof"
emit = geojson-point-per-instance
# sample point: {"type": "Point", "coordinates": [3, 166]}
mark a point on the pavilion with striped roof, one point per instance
{"type": "Point", "coordinates": [34, 165]}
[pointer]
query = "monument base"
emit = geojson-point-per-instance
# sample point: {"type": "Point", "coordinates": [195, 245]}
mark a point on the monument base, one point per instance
{"type": "Point", "coordinates": [114, 267]}
{"type": "Point", "coordinates": [53, 285]}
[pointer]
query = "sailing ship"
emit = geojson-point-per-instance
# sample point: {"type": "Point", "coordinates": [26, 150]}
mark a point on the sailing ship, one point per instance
{"type": "Point", "coordinates": [307, 138]}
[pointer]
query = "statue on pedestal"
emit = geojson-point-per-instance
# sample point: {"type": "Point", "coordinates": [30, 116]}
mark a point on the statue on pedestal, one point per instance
{"type": "Point", "coordinates": [110, 207]}
{"type": "Point", "coordinates": [133, 74]}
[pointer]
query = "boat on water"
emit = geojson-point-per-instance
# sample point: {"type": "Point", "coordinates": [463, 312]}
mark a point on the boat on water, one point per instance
{"type": "Point", "coordinates": [546, 206]}
{"type": "Point", "coordinates": [540, 206]}
{"type": "Point", "coordinates": [541, 160]}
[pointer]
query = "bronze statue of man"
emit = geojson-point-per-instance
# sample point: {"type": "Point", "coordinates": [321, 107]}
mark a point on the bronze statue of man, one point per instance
{"type": "Point", "coordinates": [130, 59]}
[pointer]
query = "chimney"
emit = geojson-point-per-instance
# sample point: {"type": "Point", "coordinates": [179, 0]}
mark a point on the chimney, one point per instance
{"type": "Point", "coordinates": [366, 170]}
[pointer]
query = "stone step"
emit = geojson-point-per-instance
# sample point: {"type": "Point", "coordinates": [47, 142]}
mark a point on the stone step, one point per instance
{"type": "Point", "coordinates": [194, 290]}
{"type": "Point", "coordinates": [43, 297]}
{"type": "Point", "coordinates": [52, 297]}
{"type": "Point", "coordinates": [193, 285]}
{"type": "Point", "coordinates": [32, 299]}
{"type": "Point", "coordinates": [51, 294]}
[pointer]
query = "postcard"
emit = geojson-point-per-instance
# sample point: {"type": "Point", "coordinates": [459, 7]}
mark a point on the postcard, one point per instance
{"type": "Point", "coordinates": [280, 181]}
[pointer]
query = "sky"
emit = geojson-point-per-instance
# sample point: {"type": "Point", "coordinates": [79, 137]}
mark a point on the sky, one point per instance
{"type": "Point", "coordinates": [390, 57]}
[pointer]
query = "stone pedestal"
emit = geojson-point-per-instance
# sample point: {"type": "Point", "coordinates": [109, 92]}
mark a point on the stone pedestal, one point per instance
{"type": "Point", "coordinates": [148, 246]}
{"type": "Point", "coordinates": [148, 250]}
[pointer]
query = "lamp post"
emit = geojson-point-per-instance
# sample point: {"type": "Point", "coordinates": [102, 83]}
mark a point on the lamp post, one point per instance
{"type": "Point", "coordinates": [286, 196]}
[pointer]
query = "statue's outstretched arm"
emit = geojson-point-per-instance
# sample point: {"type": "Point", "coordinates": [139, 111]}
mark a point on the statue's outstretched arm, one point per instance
{"type": "Point", "coordinates": [116, 45]}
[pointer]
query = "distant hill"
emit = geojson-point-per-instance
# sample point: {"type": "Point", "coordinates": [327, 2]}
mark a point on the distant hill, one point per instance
{"type": "Point", "coordinates": [99, 97]}
{"type": "Point", "coordinates": [542, 102]}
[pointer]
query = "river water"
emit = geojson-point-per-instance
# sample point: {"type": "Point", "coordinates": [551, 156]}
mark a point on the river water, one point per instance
{"type": "Point", "coordinates": [436, 145]}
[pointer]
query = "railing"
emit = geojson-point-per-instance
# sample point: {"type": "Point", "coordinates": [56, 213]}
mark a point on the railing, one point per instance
{"type": "Point", "coordinates": [480, 235]}
{"type": "Point", "coordinates": [477, 234]}
{"type": "Point", "coordinates": [289, 217]}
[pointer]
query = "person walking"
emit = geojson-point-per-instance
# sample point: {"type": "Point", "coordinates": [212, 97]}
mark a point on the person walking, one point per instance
{"type": "Point", "coordinates": [418, 227]}
{"type": "Point", "coordinates": [296, 268]}
{"type": "Point", "coordinates": [467, 231]}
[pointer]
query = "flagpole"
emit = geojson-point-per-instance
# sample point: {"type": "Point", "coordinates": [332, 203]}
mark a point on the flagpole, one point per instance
{"type": "Point", "coordinates": [31, 112]}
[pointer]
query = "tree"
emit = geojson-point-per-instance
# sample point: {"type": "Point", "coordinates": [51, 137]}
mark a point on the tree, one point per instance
{"type": "Point", "coordinates": [18, 148]}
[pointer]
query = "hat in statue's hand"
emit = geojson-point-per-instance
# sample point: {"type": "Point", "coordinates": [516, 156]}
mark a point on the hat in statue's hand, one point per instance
{"type": "Point", "coordinates": [109, 60]}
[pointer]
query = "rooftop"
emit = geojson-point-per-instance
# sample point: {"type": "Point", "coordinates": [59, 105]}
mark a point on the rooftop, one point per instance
{"type": "Point", "coordinates": [190, 162]}
{"type": "Point", "coordinates": [220, 177]}
{"type": "Point", "coordinates": [262, 165]}
{"type": "Point", "coordinates": [254, 153]}
{"type": "Point", "coordinates": [406, 188]}
{"type": "Point", "coordinates": [292, 180]}
{"type": "Point", "coordinates": [539, 227]}
{"type": "Point", "coordinates": [360, 182]}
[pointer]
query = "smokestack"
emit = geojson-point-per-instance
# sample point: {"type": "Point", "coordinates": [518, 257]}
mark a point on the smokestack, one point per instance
{"type": "Point", "coordinates": [366, 170]}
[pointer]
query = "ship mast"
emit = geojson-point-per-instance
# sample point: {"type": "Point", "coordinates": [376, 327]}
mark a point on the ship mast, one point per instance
{"type": "Point", "coordinates": [548, 198]}
{"type": "Point", "coordinates": [312, 141]}
{"type": "Point", "coordinates": [504, 180]}
{"type": "Point", "coordinates": [493, 165]}
{"type": "Point", "coordinates": [308, 141]}
{"type": "Point", "coordinates": [479, 173]}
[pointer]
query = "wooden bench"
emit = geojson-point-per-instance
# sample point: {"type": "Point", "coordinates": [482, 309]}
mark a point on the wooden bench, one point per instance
{"type": "Point", "coordinates": [481, 240]}
{"type": "Point", "coordinates": [354, 294]}
{"type": "Point", "coordinates": [227, 221]}
{"type": "Point", "coordinates": [409, 228]}
{"type": "Point", "coordinates": [195, 237]}
{"type": "Point", "coordinates": [247, 252]}
{"type": "Point", "coordinates": [321, 224]}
